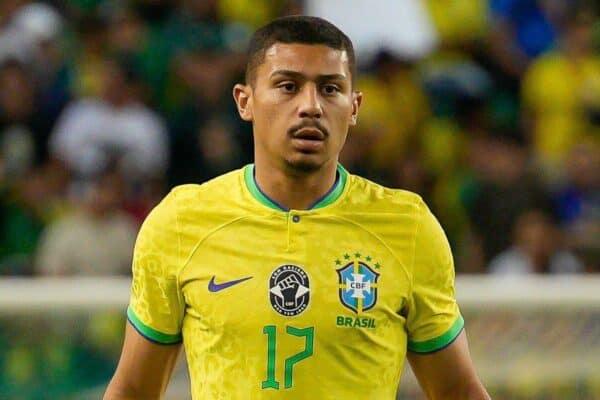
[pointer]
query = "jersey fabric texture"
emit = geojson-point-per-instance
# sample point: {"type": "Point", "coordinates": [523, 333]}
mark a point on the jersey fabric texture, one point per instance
{"type": "Point", "coordinates": [294, 304]}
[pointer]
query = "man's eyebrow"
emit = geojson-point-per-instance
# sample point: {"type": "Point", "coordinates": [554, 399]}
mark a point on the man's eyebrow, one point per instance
{"type": "Point", "coordinates": [297, 75]}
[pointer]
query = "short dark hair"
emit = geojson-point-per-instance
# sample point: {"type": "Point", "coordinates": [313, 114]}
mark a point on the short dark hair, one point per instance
{"type": "Point", "coordinates": [297, 29]}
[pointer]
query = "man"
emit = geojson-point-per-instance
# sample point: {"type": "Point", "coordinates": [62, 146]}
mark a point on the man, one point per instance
{"type": "Point", "coordinates": [92, 133]}
{"type": "Point", "coordinates": [291, 278]}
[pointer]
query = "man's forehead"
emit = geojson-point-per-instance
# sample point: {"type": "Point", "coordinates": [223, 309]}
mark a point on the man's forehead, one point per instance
{"type": "Point", "coordinates": [306, 57]}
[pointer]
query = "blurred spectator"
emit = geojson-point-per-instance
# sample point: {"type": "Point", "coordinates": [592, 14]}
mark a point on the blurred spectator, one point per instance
{"type": "Point", "coordinates": [203, 81]}
{"type": "Point", "coordinates": [394, 114]}
{"type": "Point", "coordinates": [458, 22]}
{"type": "Point", "coordinates": [25, 121]}
{"type": "Point", "coordinates": [504, 188]}
{"type": "Point", "coordinates": [43, 25]}
{"type": "Point", "coordinates": [87, 61]}
{"type": "Point", "coordinates": [536, 248]}
{"type": "Point", "coordinates": [96, 239]}
{"type": "Point", "coordinates": [257, 13]}
{"type": "Point", "coordinates": [206, 55]}
{"type": "Point", "coordinates": [205, 78]}
{"type": "Point", "coordinates": [521, 30]}
{"type": "Point", "coordinates": [209, 151]}
{"type": "Point", "coordinates": [19, 121]}
{"type": "Point", "coordinates": [578, 204]}
{"type": "Point", "coordinates": [91, 133]}
{"type": "Point", "coordinates": [219, 151]}
{"type": "Point", "coordinates": [129, 35]}
{"type": "Point", "coordinates": [200, 102]}
{"type": "Point", "coordinates": [30, 35]}
{"type": "Point", "coordinates": [195, 26]}
{"type": "Point", "coordinates": [38, 23]}
{"type": "Point", "coordinates": [459, 89]}
{"type": "Point", "coordinates": [409, 173]}
{"type": "Point", "coordinates": [13, 43]}
{"type": "Point", "coordinates": [25, 207]}
{"type": "Point", "coordinates": [561, 94]}
{"type": "Point", "coordinates": [127, 32]}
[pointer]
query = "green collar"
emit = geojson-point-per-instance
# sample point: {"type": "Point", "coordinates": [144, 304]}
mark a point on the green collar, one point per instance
{"type": "Point", "coordinates": [332, 195]}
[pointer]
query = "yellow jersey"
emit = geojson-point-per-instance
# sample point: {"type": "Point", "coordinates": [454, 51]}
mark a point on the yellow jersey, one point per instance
{"type": "Point", "coordinates": [294, 304]}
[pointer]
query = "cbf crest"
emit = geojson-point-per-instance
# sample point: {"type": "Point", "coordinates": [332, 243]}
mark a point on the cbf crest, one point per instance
{"type": "Point", "coordinates": [358, 286]}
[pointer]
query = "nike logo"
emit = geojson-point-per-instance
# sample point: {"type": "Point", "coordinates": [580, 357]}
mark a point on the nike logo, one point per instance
{"type": "Point", "coordinates": [216, 287]}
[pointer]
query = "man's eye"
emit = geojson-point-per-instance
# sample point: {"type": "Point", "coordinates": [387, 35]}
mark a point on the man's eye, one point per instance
{"type": "Point", "coordinates": [330, 89]}
{"type": "Point", "coordinates": [288, 87]}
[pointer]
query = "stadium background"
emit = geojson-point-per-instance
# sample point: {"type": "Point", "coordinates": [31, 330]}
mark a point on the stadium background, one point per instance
{"type": "Point", "coordinates": [489, 109]}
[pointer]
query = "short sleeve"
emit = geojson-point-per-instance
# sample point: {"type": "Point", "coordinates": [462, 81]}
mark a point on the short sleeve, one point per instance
{"type": "Point", "coordinates": [433, 320]}
{"type": "Point", "coordinates": [156, 304]}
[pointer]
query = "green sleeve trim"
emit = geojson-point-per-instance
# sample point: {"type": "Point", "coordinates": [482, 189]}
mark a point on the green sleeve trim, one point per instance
{"type": "Point", "coordinates": [440, 342]}
{"type": "Point", "coordinates": [150, 333]}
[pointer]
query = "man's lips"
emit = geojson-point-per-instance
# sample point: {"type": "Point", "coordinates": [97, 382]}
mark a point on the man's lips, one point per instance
{"type": "Point", "coordinates": [309, 134]}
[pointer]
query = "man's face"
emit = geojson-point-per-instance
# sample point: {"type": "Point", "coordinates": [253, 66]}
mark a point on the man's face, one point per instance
{"type": "Point", "coordinates": [301, 104]}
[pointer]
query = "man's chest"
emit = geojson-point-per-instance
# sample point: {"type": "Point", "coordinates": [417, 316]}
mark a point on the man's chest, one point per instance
{"type": "Point", "coordinates": [303, 272]}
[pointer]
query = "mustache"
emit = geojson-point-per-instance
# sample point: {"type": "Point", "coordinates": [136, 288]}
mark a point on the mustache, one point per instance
{"type": "Point", "coordinates": [308, 124]}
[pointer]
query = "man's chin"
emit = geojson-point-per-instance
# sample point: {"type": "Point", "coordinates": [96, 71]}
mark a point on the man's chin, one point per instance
{"type": "Point", "coordinates": [305, 163]}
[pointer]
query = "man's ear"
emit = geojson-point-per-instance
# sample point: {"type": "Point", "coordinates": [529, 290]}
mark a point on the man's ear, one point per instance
{"type": "Point", "coordinates": [357, 98]}
{"type": "Point", "coordinates": [242, 94]}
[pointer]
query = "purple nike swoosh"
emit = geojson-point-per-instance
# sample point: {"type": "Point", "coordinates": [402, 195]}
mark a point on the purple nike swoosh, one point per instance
{"type": "Point", "coordinates": [215, 287]}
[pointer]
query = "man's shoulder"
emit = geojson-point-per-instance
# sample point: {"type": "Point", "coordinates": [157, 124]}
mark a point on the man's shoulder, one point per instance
{"type": "Point", "coordinates": [217, 189]}
{"type": "Point", "coordinates": [212, 202]}
{"type": "Point", "coordinates": [191, 211]}
{"type": "Point", "coordinates": [379, 198]}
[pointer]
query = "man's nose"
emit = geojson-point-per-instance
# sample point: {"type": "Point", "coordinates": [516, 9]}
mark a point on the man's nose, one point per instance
{"type": "Point", "coordinates": [310, 102]}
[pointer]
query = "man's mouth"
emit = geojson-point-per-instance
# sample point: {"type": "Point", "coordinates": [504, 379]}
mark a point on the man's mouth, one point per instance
{"type": "Point", "coordinates": [309, 134]}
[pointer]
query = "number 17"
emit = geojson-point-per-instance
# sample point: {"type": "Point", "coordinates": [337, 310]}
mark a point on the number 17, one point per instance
{"type": "Point", "coordinates": [271, 332]}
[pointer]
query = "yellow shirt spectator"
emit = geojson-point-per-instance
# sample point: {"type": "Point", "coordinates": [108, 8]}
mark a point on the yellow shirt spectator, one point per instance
{"type": "Point", "coordinates": [252, 13]}
{"type": "Point", "coordinates": [556, 90]}
{"type": "Point", "coordinates": [458, 21]}
{"type": "Point", "coordinates": [393, 115]}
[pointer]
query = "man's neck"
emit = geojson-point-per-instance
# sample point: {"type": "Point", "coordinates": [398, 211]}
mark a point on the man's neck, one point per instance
{"type": "Point", "coordinates": [294, 191]}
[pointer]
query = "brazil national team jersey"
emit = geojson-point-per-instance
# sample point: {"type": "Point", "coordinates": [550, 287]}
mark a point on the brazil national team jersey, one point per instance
{"type": "Point", "coordinates": [294, 304]}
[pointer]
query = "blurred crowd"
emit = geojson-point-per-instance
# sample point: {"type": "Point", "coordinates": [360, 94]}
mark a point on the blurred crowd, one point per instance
{"type": "Point", "coordinates": [107, 104]}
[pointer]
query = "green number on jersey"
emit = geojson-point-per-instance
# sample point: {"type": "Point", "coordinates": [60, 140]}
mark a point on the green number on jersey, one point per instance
{"type": "Point", "coordinates": [270, 383]}
{"type": "Point", "coordinates": [271, 332]}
